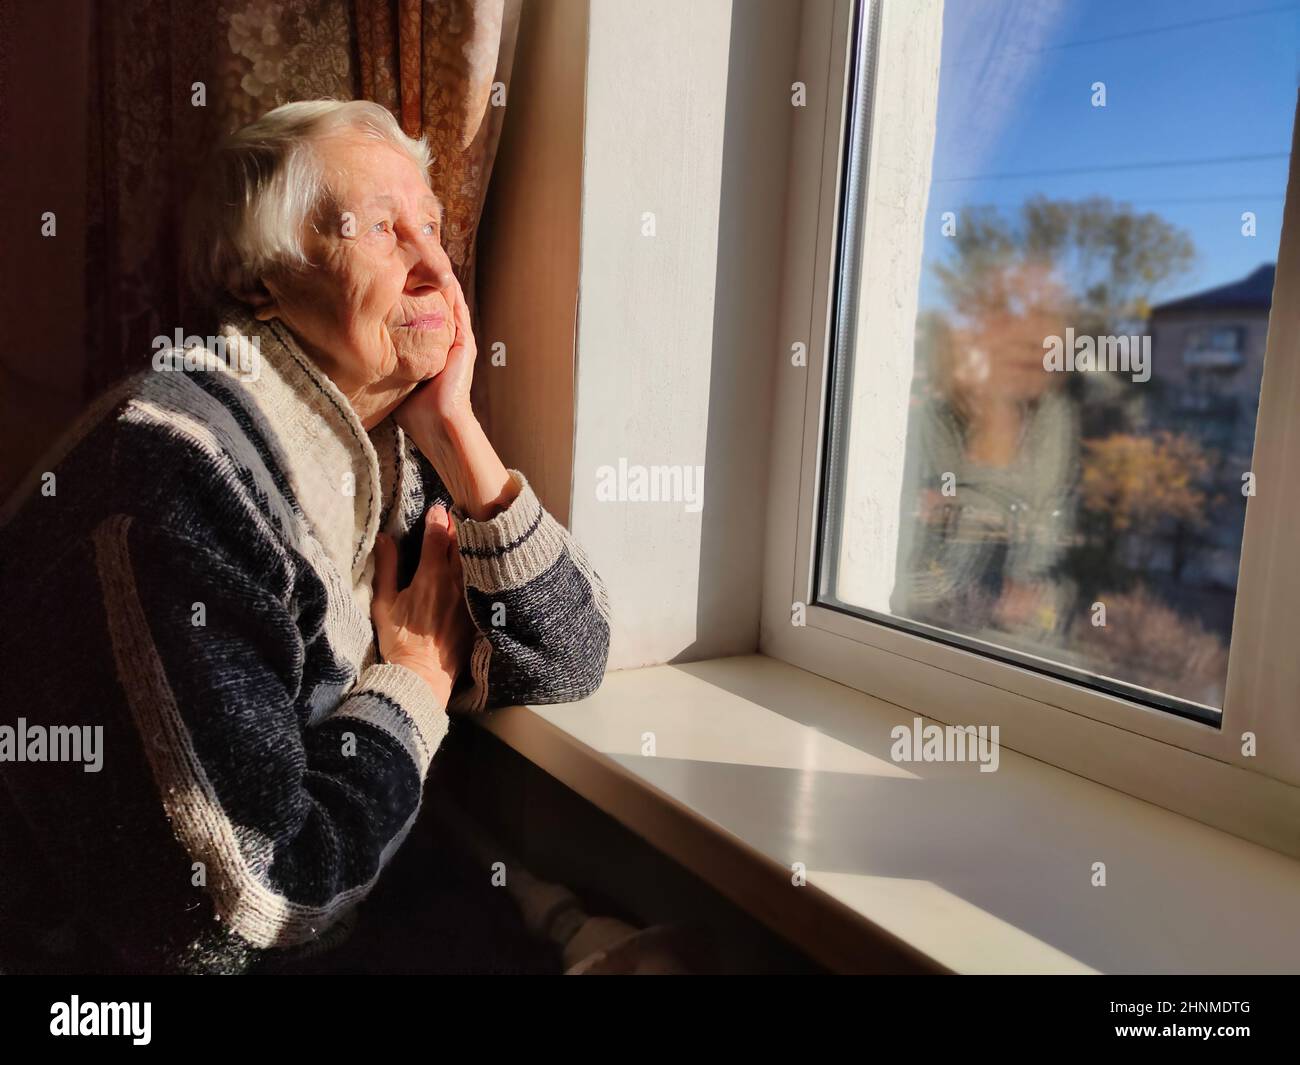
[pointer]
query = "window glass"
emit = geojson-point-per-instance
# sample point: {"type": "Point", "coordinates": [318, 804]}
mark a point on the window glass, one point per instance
{"type": "Point", "coordinates": [1101, 225]}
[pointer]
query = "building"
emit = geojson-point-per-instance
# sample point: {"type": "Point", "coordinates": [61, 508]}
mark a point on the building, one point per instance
{"type": "Point", "coordinates": [1208, 354]}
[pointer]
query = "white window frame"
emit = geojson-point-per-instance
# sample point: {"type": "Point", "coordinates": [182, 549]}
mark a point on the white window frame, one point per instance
{"type": "Point", "coordinates": [1181, 764]}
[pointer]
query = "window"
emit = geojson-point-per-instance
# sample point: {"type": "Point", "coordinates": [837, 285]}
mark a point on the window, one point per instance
{"type": "Point", "coordinates": [1219, 348]}
{"type": "Point", "coordinates": [1042, 272]}
{"type": "Point", "coordinates": [1065, 502]}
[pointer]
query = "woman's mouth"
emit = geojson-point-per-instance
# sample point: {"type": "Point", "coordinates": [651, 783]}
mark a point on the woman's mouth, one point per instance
{"type": "Point", "coordinates": [426, 321]}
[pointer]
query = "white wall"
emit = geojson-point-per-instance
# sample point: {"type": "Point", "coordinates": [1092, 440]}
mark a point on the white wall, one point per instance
{"type": "Point", "coordinates": [688, 117]}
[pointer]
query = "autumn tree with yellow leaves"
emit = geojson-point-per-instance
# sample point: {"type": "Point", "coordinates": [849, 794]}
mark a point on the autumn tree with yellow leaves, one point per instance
{"type": "Point", "coordinates": [1132, 484]}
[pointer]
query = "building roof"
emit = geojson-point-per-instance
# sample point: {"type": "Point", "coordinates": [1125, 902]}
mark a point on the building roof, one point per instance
{"type": "Point", "coordinates": [1252, 292]}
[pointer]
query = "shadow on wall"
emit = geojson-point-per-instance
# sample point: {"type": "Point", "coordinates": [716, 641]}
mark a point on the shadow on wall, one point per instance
{"type": "Point", "coordinates": [748, 355]}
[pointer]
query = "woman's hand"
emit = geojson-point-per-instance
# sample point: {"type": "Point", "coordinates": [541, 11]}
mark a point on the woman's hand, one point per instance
{"type": "Point", "coordinates": [438, 417]}
{"type": "Point", "coordinates": [426, 626]}
{"type": "Point", "coordinates": [445, 398]}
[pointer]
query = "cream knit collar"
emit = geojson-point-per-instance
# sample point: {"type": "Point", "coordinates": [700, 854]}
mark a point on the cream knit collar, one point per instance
{"type": "Point", "coordinates": [342, 476]}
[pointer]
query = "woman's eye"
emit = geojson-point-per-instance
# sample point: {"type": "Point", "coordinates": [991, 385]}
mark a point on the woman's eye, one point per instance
{"type": "Point", "coordinates": [380, 227]}
{"type": "Point", "coordinates": [431, 228]}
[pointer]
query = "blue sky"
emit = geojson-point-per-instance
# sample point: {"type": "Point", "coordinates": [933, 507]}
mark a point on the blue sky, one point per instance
{"type": "Point", "coordinates": [1218, 80]}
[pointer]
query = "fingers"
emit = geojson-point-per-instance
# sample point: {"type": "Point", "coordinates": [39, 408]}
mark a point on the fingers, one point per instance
{"type": "Point", "coordinates": [436, 520]}
{"type": "Point", "coordinates": [453, 553]}
{"type": "Point", "coordinates": [385, 581]}
{"type": "Point", "coordinates": [438, 538]}
{"type": "Point", "coordinates": [460, 310]}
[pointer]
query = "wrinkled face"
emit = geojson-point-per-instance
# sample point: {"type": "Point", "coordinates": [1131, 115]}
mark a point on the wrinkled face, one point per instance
{"type": "Point", "coordinates": [375, 307]}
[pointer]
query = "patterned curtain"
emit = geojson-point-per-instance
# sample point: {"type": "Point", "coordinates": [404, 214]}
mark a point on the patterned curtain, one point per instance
{"type": "Point", "coordinates": [170, 76]}
{"type": "Point", "coordinates": [443, 68]}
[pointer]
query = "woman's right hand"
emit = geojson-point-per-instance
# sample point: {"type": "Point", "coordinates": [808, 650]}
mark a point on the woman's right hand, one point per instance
{"type": "Point", "coordinates": [426, 626]}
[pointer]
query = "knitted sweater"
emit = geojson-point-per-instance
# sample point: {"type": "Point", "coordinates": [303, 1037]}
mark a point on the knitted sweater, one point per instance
{"type": "Point", "coordinates": [192, 587]}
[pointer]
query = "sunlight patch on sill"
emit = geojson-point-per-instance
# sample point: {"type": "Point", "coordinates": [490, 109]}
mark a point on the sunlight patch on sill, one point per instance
{"type": "Point", "coordinates": [726, 729]}
{"type": "Point", "coordinates": [945, 926]}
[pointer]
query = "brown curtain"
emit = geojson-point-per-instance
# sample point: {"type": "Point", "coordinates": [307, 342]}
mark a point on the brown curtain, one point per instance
{"type": "Point", "coordinates": [441, 66]}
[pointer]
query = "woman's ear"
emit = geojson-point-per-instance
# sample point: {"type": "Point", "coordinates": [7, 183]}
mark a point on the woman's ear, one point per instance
{"type": "Point", "coordinates": [260, 300]}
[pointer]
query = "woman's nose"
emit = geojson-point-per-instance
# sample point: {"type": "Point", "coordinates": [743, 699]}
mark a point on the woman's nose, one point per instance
{"type": "Point", "coordinates": [431, 267]}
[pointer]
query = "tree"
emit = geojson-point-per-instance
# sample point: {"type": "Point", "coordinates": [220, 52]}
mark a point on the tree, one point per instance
{"type": "Point", "coordinates": [1136, 481]}
{"type": "Point", "coordinates": [1113, 257]}
{"type": "Point", "coordinates": [1131, 484]}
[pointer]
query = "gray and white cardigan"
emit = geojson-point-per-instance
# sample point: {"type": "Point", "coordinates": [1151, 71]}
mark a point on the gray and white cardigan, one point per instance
{"type": "Point", "coordinates": [195, 578]}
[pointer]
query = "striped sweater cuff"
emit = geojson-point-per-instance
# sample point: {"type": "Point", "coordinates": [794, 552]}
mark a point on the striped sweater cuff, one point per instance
{"type": "Point", "coordinates": [399, 702]}
{"type": "Point", "coordinates": [512, 548]}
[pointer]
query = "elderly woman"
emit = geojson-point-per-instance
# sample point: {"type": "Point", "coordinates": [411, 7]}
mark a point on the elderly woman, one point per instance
{"type": "Point", "coordinates": [263, 581]}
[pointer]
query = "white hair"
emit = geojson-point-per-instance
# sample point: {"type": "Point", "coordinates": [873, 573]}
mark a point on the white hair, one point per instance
{"type": "Point", "coordinates": [264, 183]}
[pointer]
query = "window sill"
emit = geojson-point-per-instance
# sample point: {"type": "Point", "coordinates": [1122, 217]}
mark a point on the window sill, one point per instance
{"type": "Point", "coordinates": [759, 765]}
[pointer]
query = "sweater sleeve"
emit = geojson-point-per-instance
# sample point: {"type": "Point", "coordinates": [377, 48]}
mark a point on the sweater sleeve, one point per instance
{"type": "Point", "coordinates": [292, 801]}
{"type": "Point", "coordinates": [541, 610]}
